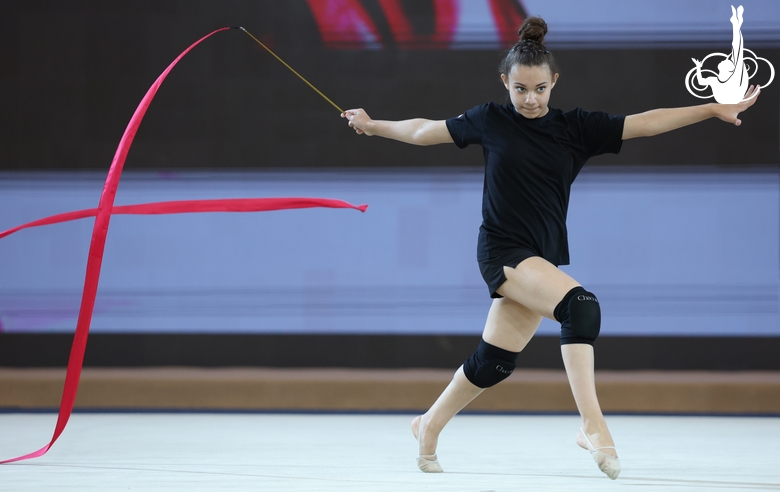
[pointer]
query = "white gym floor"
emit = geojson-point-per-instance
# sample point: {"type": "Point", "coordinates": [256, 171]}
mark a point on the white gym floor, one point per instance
{"type": "Point", "coordinates": [376, 452]}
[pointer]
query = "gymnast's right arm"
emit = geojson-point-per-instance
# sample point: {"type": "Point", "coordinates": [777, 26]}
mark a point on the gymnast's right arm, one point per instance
{"type": "Point", "coordinates": [417, 131]}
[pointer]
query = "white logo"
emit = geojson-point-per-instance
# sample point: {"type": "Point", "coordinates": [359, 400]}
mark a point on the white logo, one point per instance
{"type": "Point", "coordinates": [502, 370]}
{"type": "Point", "coordinates": [735, 70]}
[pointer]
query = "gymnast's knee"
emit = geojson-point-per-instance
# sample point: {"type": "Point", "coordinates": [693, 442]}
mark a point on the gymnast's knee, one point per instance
{"type": "Point", "coordinates": [580, 317]}
{"type": "Point", "coordinates": [489, 365]}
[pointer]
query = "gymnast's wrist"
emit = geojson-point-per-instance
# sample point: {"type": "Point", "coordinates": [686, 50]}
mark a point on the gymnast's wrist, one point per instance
{"type": "Point", "coordinates": [371, 128]}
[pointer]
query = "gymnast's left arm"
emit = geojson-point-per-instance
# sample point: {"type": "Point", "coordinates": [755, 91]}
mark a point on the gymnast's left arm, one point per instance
{"type": "Point", "coordinates": [659, 121]}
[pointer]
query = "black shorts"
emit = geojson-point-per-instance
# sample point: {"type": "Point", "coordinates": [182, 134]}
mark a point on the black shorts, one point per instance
{"type": "Point", "coordinates": [492, 268]}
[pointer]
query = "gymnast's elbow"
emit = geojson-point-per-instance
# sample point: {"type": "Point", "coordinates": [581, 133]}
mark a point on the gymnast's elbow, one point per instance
{"type": "Point", "coordinates": [430, 133]}
{"type": "Point", "coordinates": [421, 141]}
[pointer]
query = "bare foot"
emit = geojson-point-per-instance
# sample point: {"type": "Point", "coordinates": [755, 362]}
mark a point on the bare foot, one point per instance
{"type": "Point", "coordinates": [429, 439]}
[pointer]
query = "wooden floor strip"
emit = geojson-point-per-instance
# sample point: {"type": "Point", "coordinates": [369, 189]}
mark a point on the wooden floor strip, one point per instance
{"type": "Point", "coordinates": [394, 390]}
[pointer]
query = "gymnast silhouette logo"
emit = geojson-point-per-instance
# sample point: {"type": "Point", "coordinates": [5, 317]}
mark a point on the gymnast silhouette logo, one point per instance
{"type": "Point", "coordinates": [735, 70]}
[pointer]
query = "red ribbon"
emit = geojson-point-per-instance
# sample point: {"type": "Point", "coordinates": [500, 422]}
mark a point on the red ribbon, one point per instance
{"type": "Point", "coordinates": [102, 218]}
{"type": "Point", "coordinates": [193, 206]}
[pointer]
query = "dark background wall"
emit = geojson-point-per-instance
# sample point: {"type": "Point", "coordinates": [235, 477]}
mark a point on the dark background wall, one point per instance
{"type": "Point", "coordinates": [72, 73]}
{"type": "Point", "coordinates": [381, 351]}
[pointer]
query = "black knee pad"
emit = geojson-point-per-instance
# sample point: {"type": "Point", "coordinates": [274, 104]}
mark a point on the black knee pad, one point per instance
{"type": "Point", "coordinates": [580, 317]}
{"type": "Point", "coordinates": [489, 365]}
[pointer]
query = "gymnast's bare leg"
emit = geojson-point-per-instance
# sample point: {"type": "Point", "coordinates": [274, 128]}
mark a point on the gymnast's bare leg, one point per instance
{"type": "Point", "coordinates": [509, 326]}
{"type": "Point", "coordinates": [533, 289]}
{"type": "Point", "coordinates": [542, 285]}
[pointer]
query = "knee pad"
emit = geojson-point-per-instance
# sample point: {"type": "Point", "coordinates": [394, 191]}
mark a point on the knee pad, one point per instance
{"type": "Point", "coordinates": [489, 365]}
{"type": "Point", "coordinates": [580, 317]}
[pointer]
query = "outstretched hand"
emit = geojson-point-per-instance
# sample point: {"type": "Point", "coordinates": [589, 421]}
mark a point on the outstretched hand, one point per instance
{"type": "Point", "coordinates": [730, 112]}
{"type": "Point", "coordinates": [358, 119]}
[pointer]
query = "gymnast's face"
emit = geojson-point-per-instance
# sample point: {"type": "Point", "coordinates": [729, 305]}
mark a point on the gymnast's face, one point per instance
{"type": "Point", "coordinates": [529, 89]}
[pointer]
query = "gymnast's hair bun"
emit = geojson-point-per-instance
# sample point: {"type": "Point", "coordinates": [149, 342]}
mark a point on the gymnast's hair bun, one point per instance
{"type": "Point", "coordinates": [533, 29]}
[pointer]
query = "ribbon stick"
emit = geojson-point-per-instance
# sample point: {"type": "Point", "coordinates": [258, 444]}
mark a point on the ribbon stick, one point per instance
{"type": "Point", "coordinates": [292, 70]}
{"type": "Point", "coordinates": [102, 216]}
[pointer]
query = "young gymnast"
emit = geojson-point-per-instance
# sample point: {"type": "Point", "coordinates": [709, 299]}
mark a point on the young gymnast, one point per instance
{"type": "Point", "coordinates": [532, 155]}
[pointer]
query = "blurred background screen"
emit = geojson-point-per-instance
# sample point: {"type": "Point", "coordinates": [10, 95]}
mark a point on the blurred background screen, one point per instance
{"type": "Point", "coordinates": [679, 234]}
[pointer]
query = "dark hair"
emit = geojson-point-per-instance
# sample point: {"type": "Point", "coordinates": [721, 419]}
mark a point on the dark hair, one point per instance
{"type": "Point", "coordinates": [529, 50]}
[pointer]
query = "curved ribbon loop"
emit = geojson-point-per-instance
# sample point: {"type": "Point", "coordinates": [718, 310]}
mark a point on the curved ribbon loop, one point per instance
{"type": "Point", "coordinates": [102, 216]}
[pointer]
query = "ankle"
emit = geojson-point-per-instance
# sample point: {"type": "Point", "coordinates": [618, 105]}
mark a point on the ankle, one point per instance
{"type": "Point", "coordinates": [595, 422]}
{"type": "Point", "coordinates": [594, 427]}
{"type": "Point", "coordinates": [430, 424]}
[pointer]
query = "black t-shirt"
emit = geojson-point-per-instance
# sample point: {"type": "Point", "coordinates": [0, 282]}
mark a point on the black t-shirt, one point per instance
{"type": "Point", "coordinates": [530, 165]}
